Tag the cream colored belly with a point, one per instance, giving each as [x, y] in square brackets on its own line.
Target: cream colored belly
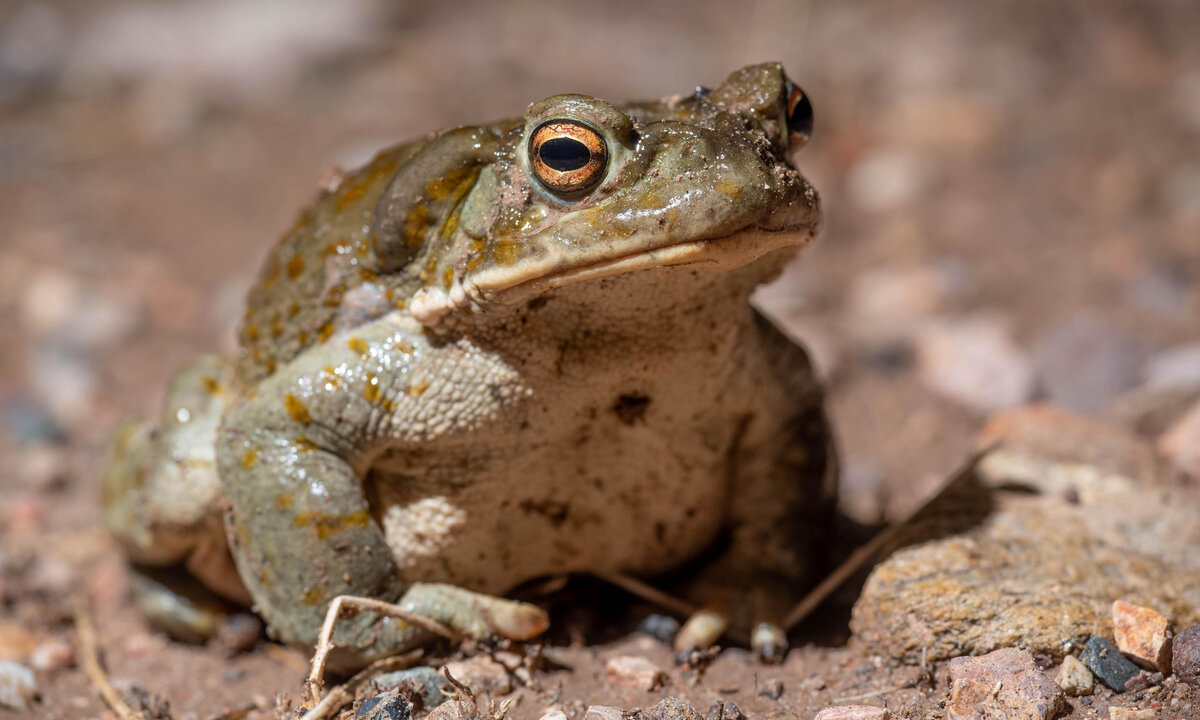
[614, 496]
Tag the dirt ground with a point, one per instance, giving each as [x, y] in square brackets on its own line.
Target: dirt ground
[1012, 196]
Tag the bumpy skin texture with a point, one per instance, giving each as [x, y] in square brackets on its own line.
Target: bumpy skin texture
[449, 374]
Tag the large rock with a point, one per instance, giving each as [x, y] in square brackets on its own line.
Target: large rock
[1039, 570]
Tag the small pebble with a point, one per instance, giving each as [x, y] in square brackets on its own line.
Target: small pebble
[1107, 663]
[54, 654]
[1074, 677]
[1185, 659]
[671, 708]
[603, 712]
[1142, 634]
[554, 715]
[853, 712]
[1142, 681]
[635, 671]
[17, 685]
[481, 674]
[239, 632]
[772, 689]
[390, 705]
[975, 362]
[1004, 683]
[423, 686]
[660, 627]
[1128, 713]
[724, 710]
[1180, 443]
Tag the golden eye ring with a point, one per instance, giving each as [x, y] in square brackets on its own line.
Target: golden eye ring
[569, 157]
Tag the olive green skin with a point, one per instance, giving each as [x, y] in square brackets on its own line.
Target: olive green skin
[440, 343]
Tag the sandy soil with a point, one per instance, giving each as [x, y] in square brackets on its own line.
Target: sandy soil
[1029, 168]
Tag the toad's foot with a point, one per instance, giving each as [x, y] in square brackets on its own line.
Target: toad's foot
[704, 627]
[429, 609]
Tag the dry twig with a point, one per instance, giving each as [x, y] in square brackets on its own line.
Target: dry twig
[342, 695]
[90, 654]
[352, 605]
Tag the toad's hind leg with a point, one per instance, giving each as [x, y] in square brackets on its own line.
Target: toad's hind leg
[159, 491]
[783, 480]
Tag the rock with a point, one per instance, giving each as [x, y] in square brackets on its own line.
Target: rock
[660, 627]
[1052, 451]
[1143, 680]
[1175, 368]
[635, 671]
[554, 715]
[390, 705]
[1107, 663]
[481, 674]
[1128, 713]
[772, 689]
[1142, 634]
[603, 712]
[17, 686]
[423, 686]
[17, 643]
[53, 654]
[1185, 655]
[1005, 684]
[239, 632]
[1181, 442]
[1085, 363]
[853, 712]
[1074, 677]
[1121, 531]
[671, 708]
[885, 181]
[974, 362]
[454, 710]
[724, 710]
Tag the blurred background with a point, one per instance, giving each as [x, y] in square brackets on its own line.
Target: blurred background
[1012, 193]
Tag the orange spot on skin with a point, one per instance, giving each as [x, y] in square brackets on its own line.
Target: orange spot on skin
[252, 333]
[303, 337]
[352, 194]
[295, 267]
[313, 596]
[359, 346]
[283, 501]
[297, 409]
[506, 251]
[211, 385]
[325, 331]
[249, 458]
[333, 297]
[327, 525]
[293, 309]
[403, 346]
[330, 377]
[276, 327]
[373, 392]
[448, 278]
[303, 444]
[419, 387]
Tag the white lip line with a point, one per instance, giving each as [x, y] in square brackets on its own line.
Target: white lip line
[684, 253]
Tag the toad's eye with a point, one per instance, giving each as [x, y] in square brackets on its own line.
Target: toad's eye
[568, 157]
[799, 117]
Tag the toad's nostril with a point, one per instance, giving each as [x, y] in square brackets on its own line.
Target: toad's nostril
[799, 117]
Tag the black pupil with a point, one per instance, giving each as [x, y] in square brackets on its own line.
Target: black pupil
[564, 154]
[801, 119]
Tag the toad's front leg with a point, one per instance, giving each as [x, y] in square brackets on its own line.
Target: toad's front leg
[291, 458]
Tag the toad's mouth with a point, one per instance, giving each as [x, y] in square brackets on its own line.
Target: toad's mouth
[720, 254]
